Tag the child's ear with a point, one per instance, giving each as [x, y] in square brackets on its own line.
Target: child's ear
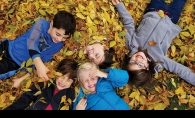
[105, 47]
[51, 24]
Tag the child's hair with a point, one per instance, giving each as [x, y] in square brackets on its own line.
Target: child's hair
[65, 20]
[109, 55]
[85, 66]
[68, 66]
[142, 77]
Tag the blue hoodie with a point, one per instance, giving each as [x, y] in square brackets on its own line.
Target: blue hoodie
[106, 97]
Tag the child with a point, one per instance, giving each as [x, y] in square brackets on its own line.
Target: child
[39, 43]
[100, 54]
[64, 86]
[145, 60]
[97, 88]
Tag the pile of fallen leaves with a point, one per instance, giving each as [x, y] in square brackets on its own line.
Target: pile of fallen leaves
[98, 20]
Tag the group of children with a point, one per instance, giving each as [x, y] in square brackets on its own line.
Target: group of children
[96, 87]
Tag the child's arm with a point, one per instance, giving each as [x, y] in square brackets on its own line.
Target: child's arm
[24, 100]
[177, 68]
[117, 77]
[126, 17]
[41, 69]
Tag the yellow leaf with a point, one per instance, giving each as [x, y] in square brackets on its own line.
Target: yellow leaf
[63, 99]
[57, 74]
[133, 94]
[51, 80]
[173, 82]
[180, 91]
[26, 90]
[12, 98]
[161, 13]
[3, 105]
[159, 106]
[81, 53]
[42, 12]
[173, 49]
[65, 108]
[152, 43]
[2, 98]
[192, 99]
[1, 22]
[23, 64]
[69, 101]
[28, 84]
[142, 100]
[112, 43]
[186, 34]
[60, 6]
[191, 29]
[177, 41]
[69, 53]
[79, 15]
[29, 62]
[107, 16]
[37, 93]
[29, 70]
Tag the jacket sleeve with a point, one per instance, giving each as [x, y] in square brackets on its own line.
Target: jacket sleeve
[34, 37]
[128, 22]
[117, 77]
[24, 100]
[177, 68]
[77, 99]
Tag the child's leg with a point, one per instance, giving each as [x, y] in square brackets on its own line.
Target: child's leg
[156, 5]
[6, 62]
[175, 9]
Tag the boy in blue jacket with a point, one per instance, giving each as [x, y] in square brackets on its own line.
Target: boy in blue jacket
[39, 43]
[97, 88]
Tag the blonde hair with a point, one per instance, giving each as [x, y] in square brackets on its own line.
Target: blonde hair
[86, 66]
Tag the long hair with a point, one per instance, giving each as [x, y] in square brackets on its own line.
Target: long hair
[142, 77]
[109, 55]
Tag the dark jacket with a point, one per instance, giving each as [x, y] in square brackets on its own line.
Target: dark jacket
[40, 102]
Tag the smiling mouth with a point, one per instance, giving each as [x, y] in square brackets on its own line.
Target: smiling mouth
[139, 56]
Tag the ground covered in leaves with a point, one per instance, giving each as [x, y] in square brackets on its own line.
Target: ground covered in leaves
[98, 20]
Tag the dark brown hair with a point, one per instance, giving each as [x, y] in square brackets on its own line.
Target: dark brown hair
[66, 21]
[68, 66]
[109, 54]
[141, 78]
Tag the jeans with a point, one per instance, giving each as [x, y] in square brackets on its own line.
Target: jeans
[174, 9]
[6, 63]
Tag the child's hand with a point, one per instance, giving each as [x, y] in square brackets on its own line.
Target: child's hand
[42, 72]
[81, 104]
[115, 2]
[97, 73]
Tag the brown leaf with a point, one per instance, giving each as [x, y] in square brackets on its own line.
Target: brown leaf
[152, 43]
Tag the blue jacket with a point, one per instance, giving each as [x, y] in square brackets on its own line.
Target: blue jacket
[36, 42]
[106, 97]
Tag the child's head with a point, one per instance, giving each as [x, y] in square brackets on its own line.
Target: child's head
[140, 67]
[62, 26]
[88, 83]
[100, 54]
[68, 68]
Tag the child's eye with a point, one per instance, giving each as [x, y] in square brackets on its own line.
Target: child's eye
[57, 34]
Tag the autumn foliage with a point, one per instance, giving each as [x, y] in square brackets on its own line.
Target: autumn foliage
[98, 20]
